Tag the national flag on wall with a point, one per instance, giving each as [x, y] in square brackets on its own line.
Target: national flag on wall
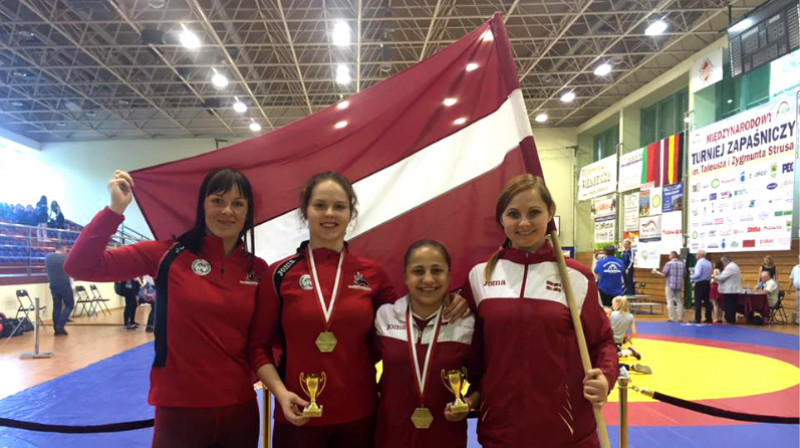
[661, 162]
[421, 169]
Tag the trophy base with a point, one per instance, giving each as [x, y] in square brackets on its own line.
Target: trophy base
[313, 413]
[459, 408]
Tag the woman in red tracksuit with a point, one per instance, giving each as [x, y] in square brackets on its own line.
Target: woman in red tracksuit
[533, 388]
[320, 313]
[207, 287]
[415, 355]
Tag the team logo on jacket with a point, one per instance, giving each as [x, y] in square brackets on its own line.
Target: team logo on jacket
[494, 283]
[359, 282]
[553, 286]
[201, 267]
[305, 282]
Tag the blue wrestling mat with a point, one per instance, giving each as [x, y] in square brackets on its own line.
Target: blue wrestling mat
[115, 390]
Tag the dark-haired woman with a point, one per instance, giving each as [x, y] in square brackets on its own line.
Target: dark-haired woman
[416, 344]
[324, 299]
[207, 289]
[533, 387]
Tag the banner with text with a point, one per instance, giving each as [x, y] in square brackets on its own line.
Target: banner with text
[741, 180]
[598, 178]
[630, 170]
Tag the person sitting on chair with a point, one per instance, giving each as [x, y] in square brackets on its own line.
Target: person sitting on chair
[768, 286]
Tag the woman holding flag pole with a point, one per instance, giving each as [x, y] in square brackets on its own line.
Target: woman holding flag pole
[533, 347]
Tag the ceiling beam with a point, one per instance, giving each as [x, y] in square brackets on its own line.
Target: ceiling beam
[294, 55]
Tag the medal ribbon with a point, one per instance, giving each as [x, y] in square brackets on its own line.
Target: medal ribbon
[421, 377]
[327, 311]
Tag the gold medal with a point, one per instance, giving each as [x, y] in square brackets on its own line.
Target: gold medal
[326, 342]
[422, 418]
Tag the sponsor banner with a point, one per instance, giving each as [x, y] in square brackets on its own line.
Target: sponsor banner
[650, 228]
[604, 231]
[604, 207]
[741, 175]
[671, 232]
[648, 255]
[630, 170]
[630, 216]
[598, 178]
[644, 203]
[707, 70]
[673, 198]
[656, 200]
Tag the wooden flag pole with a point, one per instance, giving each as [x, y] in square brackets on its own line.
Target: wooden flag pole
[576, 322]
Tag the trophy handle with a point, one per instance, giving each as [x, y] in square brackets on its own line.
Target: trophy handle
[446, 381]
[464, 373]
[303, 384]
[323, 380]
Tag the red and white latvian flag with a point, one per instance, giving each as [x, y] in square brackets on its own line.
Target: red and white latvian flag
[428, 151]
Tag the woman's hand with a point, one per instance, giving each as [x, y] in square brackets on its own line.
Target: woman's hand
[289, 403]
[451, 417]
[121, 188]
[455, 307]
[595, 387]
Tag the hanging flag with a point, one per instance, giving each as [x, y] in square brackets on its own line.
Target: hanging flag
[661, 162]
[422, 167]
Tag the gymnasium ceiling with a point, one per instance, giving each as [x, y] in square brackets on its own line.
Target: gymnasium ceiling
[79, 69]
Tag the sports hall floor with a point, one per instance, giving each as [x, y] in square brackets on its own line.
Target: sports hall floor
[100, 375]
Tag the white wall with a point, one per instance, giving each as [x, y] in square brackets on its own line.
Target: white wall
[558, 159]
[9, 304]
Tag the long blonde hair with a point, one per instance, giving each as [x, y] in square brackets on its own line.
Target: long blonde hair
[515, 186]
[624, 307]
[768, 261]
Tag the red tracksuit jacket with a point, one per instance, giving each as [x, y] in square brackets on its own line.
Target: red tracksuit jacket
[292, 305]
[209, 316]
[532, 384]
[398, 390]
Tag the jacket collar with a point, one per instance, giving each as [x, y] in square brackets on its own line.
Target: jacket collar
[301, 250]
[544, 253]
[214, 250]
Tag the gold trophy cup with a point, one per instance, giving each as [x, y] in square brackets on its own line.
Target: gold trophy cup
[312, 385]
[454, 382]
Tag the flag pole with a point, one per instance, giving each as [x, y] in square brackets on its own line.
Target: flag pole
[576, 322]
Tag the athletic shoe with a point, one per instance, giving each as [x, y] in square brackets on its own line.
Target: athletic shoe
[635, 354]
[61, 332]
[643, 369]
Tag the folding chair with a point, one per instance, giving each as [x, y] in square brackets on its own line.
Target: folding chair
[87, 303]
[30, 307]
[777, 313]
[99, 299]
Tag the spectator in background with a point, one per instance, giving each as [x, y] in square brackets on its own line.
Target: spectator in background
[768, 265]
[129, 289]
[794, 278]
[148, 295]
[28, 217]
[701, 277]
[609, 276]
[768, 286]
[60, 287]
[714, 295]
[627, 263]
[56, 217]
[41, 219]
[730, 284]
[675, 272]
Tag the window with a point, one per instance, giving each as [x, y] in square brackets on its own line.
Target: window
[664, 118]
[605, 143]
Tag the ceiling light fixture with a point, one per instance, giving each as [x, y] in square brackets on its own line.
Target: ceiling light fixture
[343, 74]
[568, 97]
[189, 39]
[603, 69]
[239, 106]
[541, 118]
[255, 127]
[341, 34]
[656, 28]
[487, 36]
[219, 80]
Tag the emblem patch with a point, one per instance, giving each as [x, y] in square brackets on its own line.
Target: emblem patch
[305, 282]
[201, 267]
[359, 282]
